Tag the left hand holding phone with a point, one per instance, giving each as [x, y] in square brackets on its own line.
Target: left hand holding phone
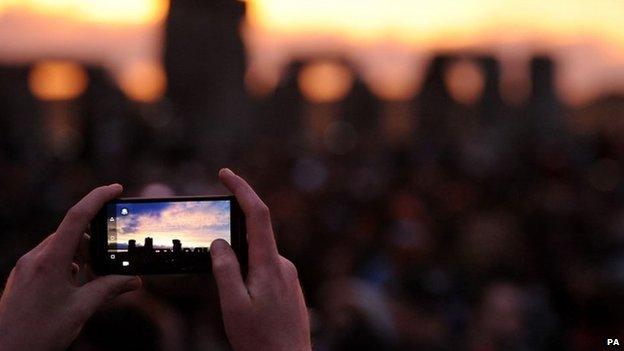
[43, 307]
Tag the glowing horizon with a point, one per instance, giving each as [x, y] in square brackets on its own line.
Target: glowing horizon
[389, 42]
[440, 24]
[123, 36]
[116, 12]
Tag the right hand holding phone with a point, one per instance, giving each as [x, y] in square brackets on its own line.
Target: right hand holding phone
[267, 311]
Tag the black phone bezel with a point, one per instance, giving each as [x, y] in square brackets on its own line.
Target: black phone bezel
[101, 265]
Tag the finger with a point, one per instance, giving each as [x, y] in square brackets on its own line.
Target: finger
[86, 274]
[82, 258]
[82, 254]
[77, 219]
[262, 247]
[74, 269]
[289, 270]
[232, 290]
[96, 292]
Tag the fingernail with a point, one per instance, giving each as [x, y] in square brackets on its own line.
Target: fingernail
[134, 283]
[218, 246]
[226, 170]
[116, 185]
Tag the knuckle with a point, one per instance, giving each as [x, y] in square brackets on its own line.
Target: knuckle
[266, 274]
[220, 266]
[289, 270]
[83, 310]
[23, 263]
[76, 212]
[38, 265]
[261, 211]
[30, 264]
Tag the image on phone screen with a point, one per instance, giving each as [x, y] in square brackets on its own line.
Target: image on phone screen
[165, 234]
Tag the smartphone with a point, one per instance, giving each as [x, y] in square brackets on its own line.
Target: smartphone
[164, 235]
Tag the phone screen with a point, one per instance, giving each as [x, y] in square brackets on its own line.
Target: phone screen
[165, 233]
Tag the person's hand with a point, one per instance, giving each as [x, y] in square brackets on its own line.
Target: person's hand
[42, 306]
[267, 311]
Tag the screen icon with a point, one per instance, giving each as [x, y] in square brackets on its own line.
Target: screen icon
[112, 256]
[112, 219]
[124, 211]
[125, 263]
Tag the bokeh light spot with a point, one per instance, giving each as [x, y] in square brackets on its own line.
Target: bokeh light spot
[465, 82]
[143, 81]
[57, 80]
[325, 81]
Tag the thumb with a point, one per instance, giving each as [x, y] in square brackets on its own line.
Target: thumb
[226, 269]
[103, 289]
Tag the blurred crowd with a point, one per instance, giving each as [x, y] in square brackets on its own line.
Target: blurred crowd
[426, 224]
